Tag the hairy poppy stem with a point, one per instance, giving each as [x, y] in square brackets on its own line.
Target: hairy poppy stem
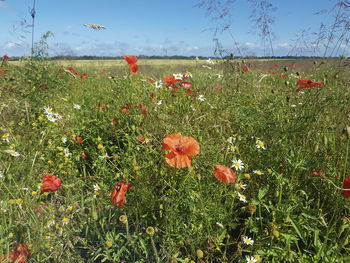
[346, 159]
[155, 250]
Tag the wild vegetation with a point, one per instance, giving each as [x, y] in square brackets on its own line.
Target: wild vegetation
[222, 162]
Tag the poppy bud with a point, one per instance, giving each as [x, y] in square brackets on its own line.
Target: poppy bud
[275, 233]
[83, 155]
[199, 253]
[252, 208]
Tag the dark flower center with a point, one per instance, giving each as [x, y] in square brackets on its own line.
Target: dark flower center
[180, 149]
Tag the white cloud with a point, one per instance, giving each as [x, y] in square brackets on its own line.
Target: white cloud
[283, 45]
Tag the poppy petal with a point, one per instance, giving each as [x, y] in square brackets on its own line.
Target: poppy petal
[224, 174]
[178, 161]
[130, 59]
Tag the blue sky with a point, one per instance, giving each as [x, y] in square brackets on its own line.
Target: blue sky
[152, 27]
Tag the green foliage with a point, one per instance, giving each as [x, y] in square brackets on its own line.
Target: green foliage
[171, 213]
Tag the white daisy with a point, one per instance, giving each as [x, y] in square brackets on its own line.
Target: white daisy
[58, 116]
[201, 98]
[251, 259]
[178, 76]
[238, 164]
[51, 118]
[64, 139]
[1, 175]
[158, 84]
[96, 187]
[48, 111]
[77, 106]
[220, 76]
[15, 154]
[189, 75]
[241, 186]
[65, 221]
[248, 240]
[258, 172]
[210, 61]
[159, 102]
[231, 148]
[231, 139]
[260, 144]
[242, 198]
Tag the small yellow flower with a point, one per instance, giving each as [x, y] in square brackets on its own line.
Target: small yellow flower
[257, 257]
[150, 231]
[269, 170]
[41, 117]
[70, 208]
[109, 243]
[11, 202]
[117, 175]
[46, 193]
[34, 193]
[187, 259]
[96, 193]
[247, 176]
[100, 146]
[19, 201]
[20, 123]
[10, 235]
[99, 138]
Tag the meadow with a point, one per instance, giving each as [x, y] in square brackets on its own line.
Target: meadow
[174, 161]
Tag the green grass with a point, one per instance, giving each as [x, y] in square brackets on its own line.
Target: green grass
[291, 215]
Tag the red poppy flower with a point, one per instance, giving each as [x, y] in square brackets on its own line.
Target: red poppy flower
[188, 91]
[169, 81]
[118, 194]
[280, 76]
[5, 57]
[303, 83]
[19, 256]
[51, 183]
[102, 72]
[186, 84]
[293, 65]
[152, 94]
[39, 209]
[269, 71]
[182, 148]
[84, 75]
[275, 65]
[224, 174]
[319, 173]
[346, 187]
[79, 139]
[134, 68]
[70, 69]
[115, 121]
[124, 110]
[218, 89]
[143, 109]
[4, 69]
[245, 69]
[83, 155]
[130, 59]
[273, 73]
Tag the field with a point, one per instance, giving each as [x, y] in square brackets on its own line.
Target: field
[229, 161]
